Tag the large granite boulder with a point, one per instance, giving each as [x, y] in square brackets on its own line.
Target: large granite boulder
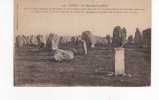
[63, 55]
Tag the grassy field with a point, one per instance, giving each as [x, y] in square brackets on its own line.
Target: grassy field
[36, 68]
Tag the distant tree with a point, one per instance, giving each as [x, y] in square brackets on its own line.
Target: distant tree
[138, 38]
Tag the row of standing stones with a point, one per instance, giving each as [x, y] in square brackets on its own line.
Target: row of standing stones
[119, 36]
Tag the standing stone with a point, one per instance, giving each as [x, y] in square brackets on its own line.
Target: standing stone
[119, 61]
[89, 38]
[108, 38]
[123, 35]
[147, 38]
[117, 33]
[84, 46]
[138, 38]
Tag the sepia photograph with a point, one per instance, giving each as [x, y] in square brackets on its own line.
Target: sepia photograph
[82, 43]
